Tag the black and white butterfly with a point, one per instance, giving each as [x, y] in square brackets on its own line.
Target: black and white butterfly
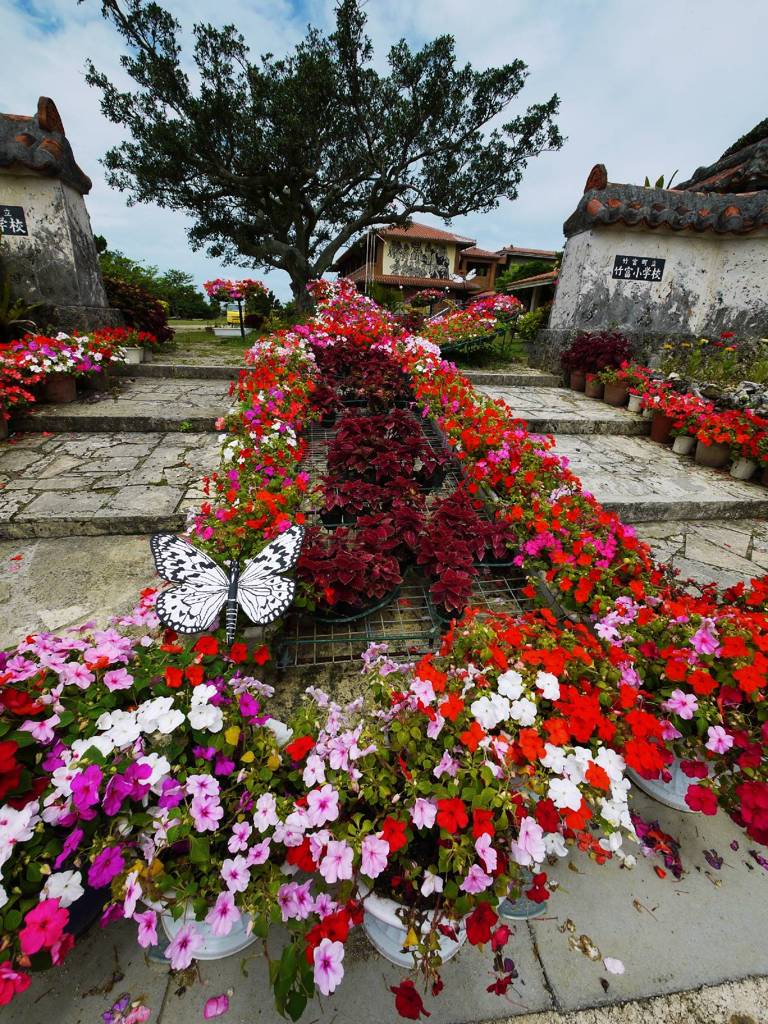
[205, 587]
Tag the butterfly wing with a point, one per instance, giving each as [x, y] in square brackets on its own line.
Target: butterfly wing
[262, 591]
[193, 606]
[189, 610]
[177, 561]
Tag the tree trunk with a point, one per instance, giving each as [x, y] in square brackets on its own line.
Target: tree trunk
[301, 296]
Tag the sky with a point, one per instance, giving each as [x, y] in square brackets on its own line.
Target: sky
[646, 88]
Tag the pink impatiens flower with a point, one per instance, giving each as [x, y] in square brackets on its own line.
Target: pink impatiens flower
[322, 805]
[265, 813]
[147, 922]
[223, 914]
[206, 813]
[238, 841]
[131, 894]
[476, 880]
[236, 874]
[118, 679]
[486, 852]
[374, 856]
[328, 965]
[682, 704]
[337, 863]
[529, 846]
[423, 813]
[216, 1006]
[719, 741]
[704, 640]
[186, 942]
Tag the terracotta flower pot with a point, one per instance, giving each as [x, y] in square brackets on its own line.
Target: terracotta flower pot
[593, 388]
[60, 388]
[578, 380]
[99, 380]
[661, 427]
[615, 394]
[715, 456]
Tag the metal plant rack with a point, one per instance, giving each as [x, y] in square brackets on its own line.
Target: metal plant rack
[409, 625]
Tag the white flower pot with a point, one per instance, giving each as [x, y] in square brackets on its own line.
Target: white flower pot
[215, 947]
[230, 332]
[134, 355]
[384, 927]
[683, 444]
[522, 909]
[672, 793]
[634, 404]
[742, 469]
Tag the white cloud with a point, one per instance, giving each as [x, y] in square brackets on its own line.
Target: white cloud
[645, 89]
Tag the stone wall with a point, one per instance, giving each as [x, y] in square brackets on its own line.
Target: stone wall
[56, 263]
[711, 283]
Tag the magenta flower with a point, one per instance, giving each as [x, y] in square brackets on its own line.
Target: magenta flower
[423, 813]
[147, 922]
[131, 894]
[374, 856]
[105, 866]
[476, 880]
[328, 965]
[286, 900]
[223, 914]
[704, 640]
[185, 944]
[682, 704]
[69, 846]
[43, 926]
[85, 789]
[216, 1006]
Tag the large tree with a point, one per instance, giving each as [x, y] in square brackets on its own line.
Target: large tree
[282, 162]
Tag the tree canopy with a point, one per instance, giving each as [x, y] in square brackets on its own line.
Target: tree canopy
[174, 287]
[282, 162]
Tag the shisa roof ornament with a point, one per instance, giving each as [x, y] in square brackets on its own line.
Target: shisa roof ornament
[38, 143]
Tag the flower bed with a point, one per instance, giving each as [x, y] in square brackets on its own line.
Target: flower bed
[149, 766]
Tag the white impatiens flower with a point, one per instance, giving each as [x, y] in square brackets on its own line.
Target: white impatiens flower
[160, 766]
[523, 711]
[548, 684]
[3, 897]
[554, 759]
[119, 727]
[616, 813]
[64, 886]
[490, 711]
[159, 715]
[613, 764]
[510, 684]
[555, 845]
[564, 794]
[16, 827]
[432, 883]
[206, 717]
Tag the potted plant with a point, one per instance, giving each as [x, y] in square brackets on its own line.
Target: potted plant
[615, 388]
[344, 577]
[233, 291]
[590, 353]
[593, 386]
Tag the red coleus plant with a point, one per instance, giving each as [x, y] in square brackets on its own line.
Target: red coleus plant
[341, 569]
[596, 351]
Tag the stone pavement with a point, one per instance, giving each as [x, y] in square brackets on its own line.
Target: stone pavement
[723, 550]
[672, 935]
[138, 404]
[554, 410]
[99, 483]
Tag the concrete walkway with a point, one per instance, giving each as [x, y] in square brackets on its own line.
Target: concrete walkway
[672, 935]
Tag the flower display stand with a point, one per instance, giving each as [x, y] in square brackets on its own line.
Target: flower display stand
[672, 793]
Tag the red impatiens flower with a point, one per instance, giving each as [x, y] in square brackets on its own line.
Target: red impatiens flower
[482, 823]
[699, 798]
[173, 677]
[408, 1002]
[480, 922]
[452, 814]
[238, 653]
[206, 645]
[393, 832]
[298, 749]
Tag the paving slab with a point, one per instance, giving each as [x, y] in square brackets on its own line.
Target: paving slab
[50, 585]
[74, 484]
[647, 482]
[555, 410]
[721, 551]
[364, 995]
[671, 936]
[135, 405]
[103, 966]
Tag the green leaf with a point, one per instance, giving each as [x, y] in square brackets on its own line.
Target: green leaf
[199, 850]
[12, 921]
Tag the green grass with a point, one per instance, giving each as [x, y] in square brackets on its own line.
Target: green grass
[500, 353]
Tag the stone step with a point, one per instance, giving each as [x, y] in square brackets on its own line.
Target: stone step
[550, 410]
[718, 551]
[647, 482]
[88, 484]
[183, 371]
[515, 376]
[139, 405]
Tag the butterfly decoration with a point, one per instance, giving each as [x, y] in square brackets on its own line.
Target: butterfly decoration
[258, 586]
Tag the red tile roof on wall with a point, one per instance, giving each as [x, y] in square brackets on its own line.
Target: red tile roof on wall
[424, 231]
[513, 250]
[549, 277]
[473, 253]
[418, 282]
